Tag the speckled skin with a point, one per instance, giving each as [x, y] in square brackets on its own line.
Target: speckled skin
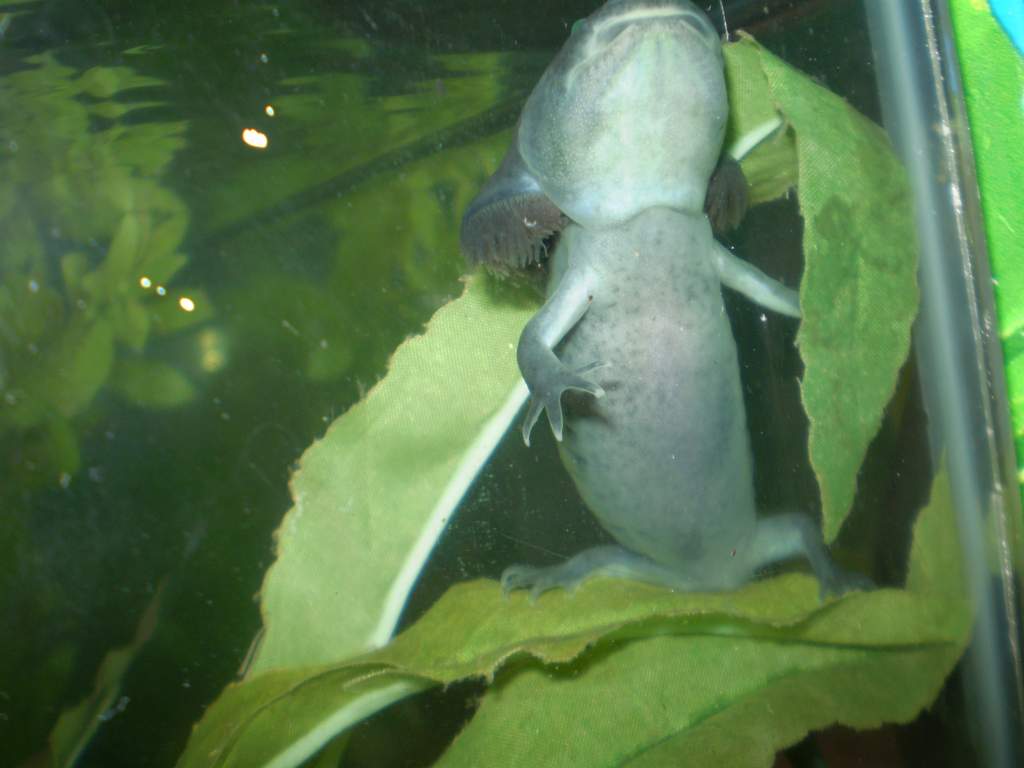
[663, 459]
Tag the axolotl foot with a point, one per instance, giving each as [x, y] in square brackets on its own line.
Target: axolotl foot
[790, 535]
[609, 560]
[839, 581]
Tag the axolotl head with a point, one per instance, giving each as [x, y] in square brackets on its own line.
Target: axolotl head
[629, 115]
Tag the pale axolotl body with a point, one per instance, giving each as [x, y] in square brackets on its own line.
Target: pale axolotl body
[616, 147]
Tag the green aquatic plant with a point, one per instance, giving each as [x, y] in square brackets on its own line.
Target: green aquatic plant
[92, 240]
[77, 726]
[859, 281]
[735, 675]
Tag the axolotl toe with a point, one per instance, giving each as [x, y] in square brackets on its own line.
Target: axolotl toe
[616, 148]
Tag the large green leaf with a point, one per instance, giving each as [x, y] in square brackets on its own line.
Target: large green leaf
[766, 662]
[694, 700]
[859, 292]
[374, 494]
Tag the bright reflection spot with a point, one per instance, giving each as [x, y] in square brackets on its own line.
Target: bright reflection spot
[269, 109]
[145, 282]
[186, 303]
[161, 291]
[255, 139]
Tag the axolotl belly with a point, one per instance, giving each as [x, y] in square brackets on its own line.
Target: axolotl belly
[663, 458]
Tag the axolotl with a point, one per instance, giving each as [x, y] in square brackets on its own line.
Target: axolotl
[618, 150]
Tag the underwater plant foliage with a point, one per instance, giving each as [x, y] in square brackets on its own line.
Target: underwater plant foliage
[76, 727]
[322, 276]
[85, 217]
[74, 317]
[619, 641]
[708, 674]
[859, 281]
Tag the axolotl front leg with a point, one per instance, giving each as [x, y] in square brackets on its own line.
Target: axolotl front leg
[748, 280]
[546, 376]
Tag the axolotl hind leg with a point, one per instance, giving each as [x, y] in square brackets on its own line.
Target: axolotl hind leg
[790, 535]
[609, 560]
[776, 539]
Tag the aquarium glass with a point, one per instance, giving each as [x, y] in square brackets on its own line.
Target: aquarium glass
[261, 458]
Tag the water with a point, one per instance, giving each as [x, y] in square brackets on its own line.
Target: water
[182, 314]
